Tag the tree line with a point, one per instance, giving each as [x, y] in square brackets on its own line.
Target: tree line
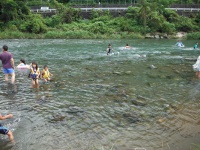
[149, 16]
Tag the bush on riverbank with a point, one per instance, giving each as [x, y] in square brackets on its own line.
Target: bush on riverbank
[193, 36]
[67, 23]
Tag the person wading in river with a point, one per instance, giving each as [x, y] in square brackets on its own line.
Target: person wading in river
[8, 64]
[4, 130]
[109, 49]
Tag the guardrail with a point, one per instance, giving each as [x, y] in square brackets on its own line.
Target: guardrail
[125, 8]
[43, 10]
[112, 9]
[185, 9]
[104, 9]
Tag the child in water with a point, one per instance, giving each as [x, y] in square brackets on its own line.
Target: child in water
[34, 73]
[46, 74]
[109, 49]
[195, 45]
[4, 130]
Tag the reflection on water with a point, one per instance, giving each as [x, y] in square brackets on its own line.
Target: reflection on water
[141, 97]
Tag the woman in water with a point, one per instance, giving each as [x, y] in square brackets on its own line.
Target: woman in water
[3, 129]
[46, 74]
[34, 73]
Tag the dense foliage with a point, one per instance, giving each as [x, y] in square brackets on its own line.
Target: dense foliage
[148, 17]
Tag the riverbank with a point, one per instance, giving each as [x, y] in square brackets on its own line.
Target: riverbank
[58, 34]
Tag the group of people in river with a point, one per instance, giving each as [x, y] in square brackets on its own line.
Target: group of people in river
[9, 69]
[109, 49]
[35, 72]
[180, 44]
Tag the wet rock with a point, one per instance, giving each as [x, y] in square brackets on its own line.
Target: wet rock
[142, 97]
[74, 110]
[131, 117]
[157, 36]
[41, 97]
[57, 118]
[166, 106]
[152, 67]
[174, 106]
[138, 102]
[161, 120]
[128, 72]
[152, 76]
[149, 36]
[117, 73]
[49, 95]
[171, 110]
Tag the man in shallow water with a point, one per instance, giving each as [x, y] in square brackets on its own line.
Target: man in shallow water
[3, 129]
[8, 64]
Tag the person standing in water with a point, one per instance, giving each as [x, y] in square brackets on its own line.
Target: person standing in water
[8, 64]
[109, 49]
[196, 45]
[34, 73]
[196, 67]
[4, 130]
[46, 74]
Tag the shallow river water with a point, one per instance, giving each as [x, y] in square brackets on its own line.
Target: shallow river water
[146, 97]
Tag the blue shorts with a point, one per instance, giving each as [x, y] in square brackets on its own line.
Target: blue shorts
[8, 71]
[3, 130]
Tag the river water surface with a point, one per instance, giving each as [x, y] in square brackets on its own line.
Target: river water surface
[145, 97]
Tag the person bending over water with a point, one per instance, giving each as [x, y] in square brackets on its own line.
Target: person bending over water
[4, 130]
[109, 49]
[195, 45]
[34, 73]
[8, 64]
[46, 74]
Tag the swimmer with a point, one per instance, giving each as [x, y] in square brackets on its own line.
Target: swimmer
[109, 49]
[127, 46]
[46, 74]
[196, 45]
[34, 73]
[4, 130]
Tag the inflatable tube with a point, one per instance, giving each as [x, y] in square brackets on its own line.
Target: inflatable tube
[23, 67]
[181, 45]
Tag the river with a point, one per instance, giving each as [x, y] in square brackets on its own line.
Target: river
[145, 97]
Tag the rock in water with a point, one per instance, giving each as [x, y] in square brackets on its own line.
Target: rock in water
[153, 67]
[138, 102]
[131, 117]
